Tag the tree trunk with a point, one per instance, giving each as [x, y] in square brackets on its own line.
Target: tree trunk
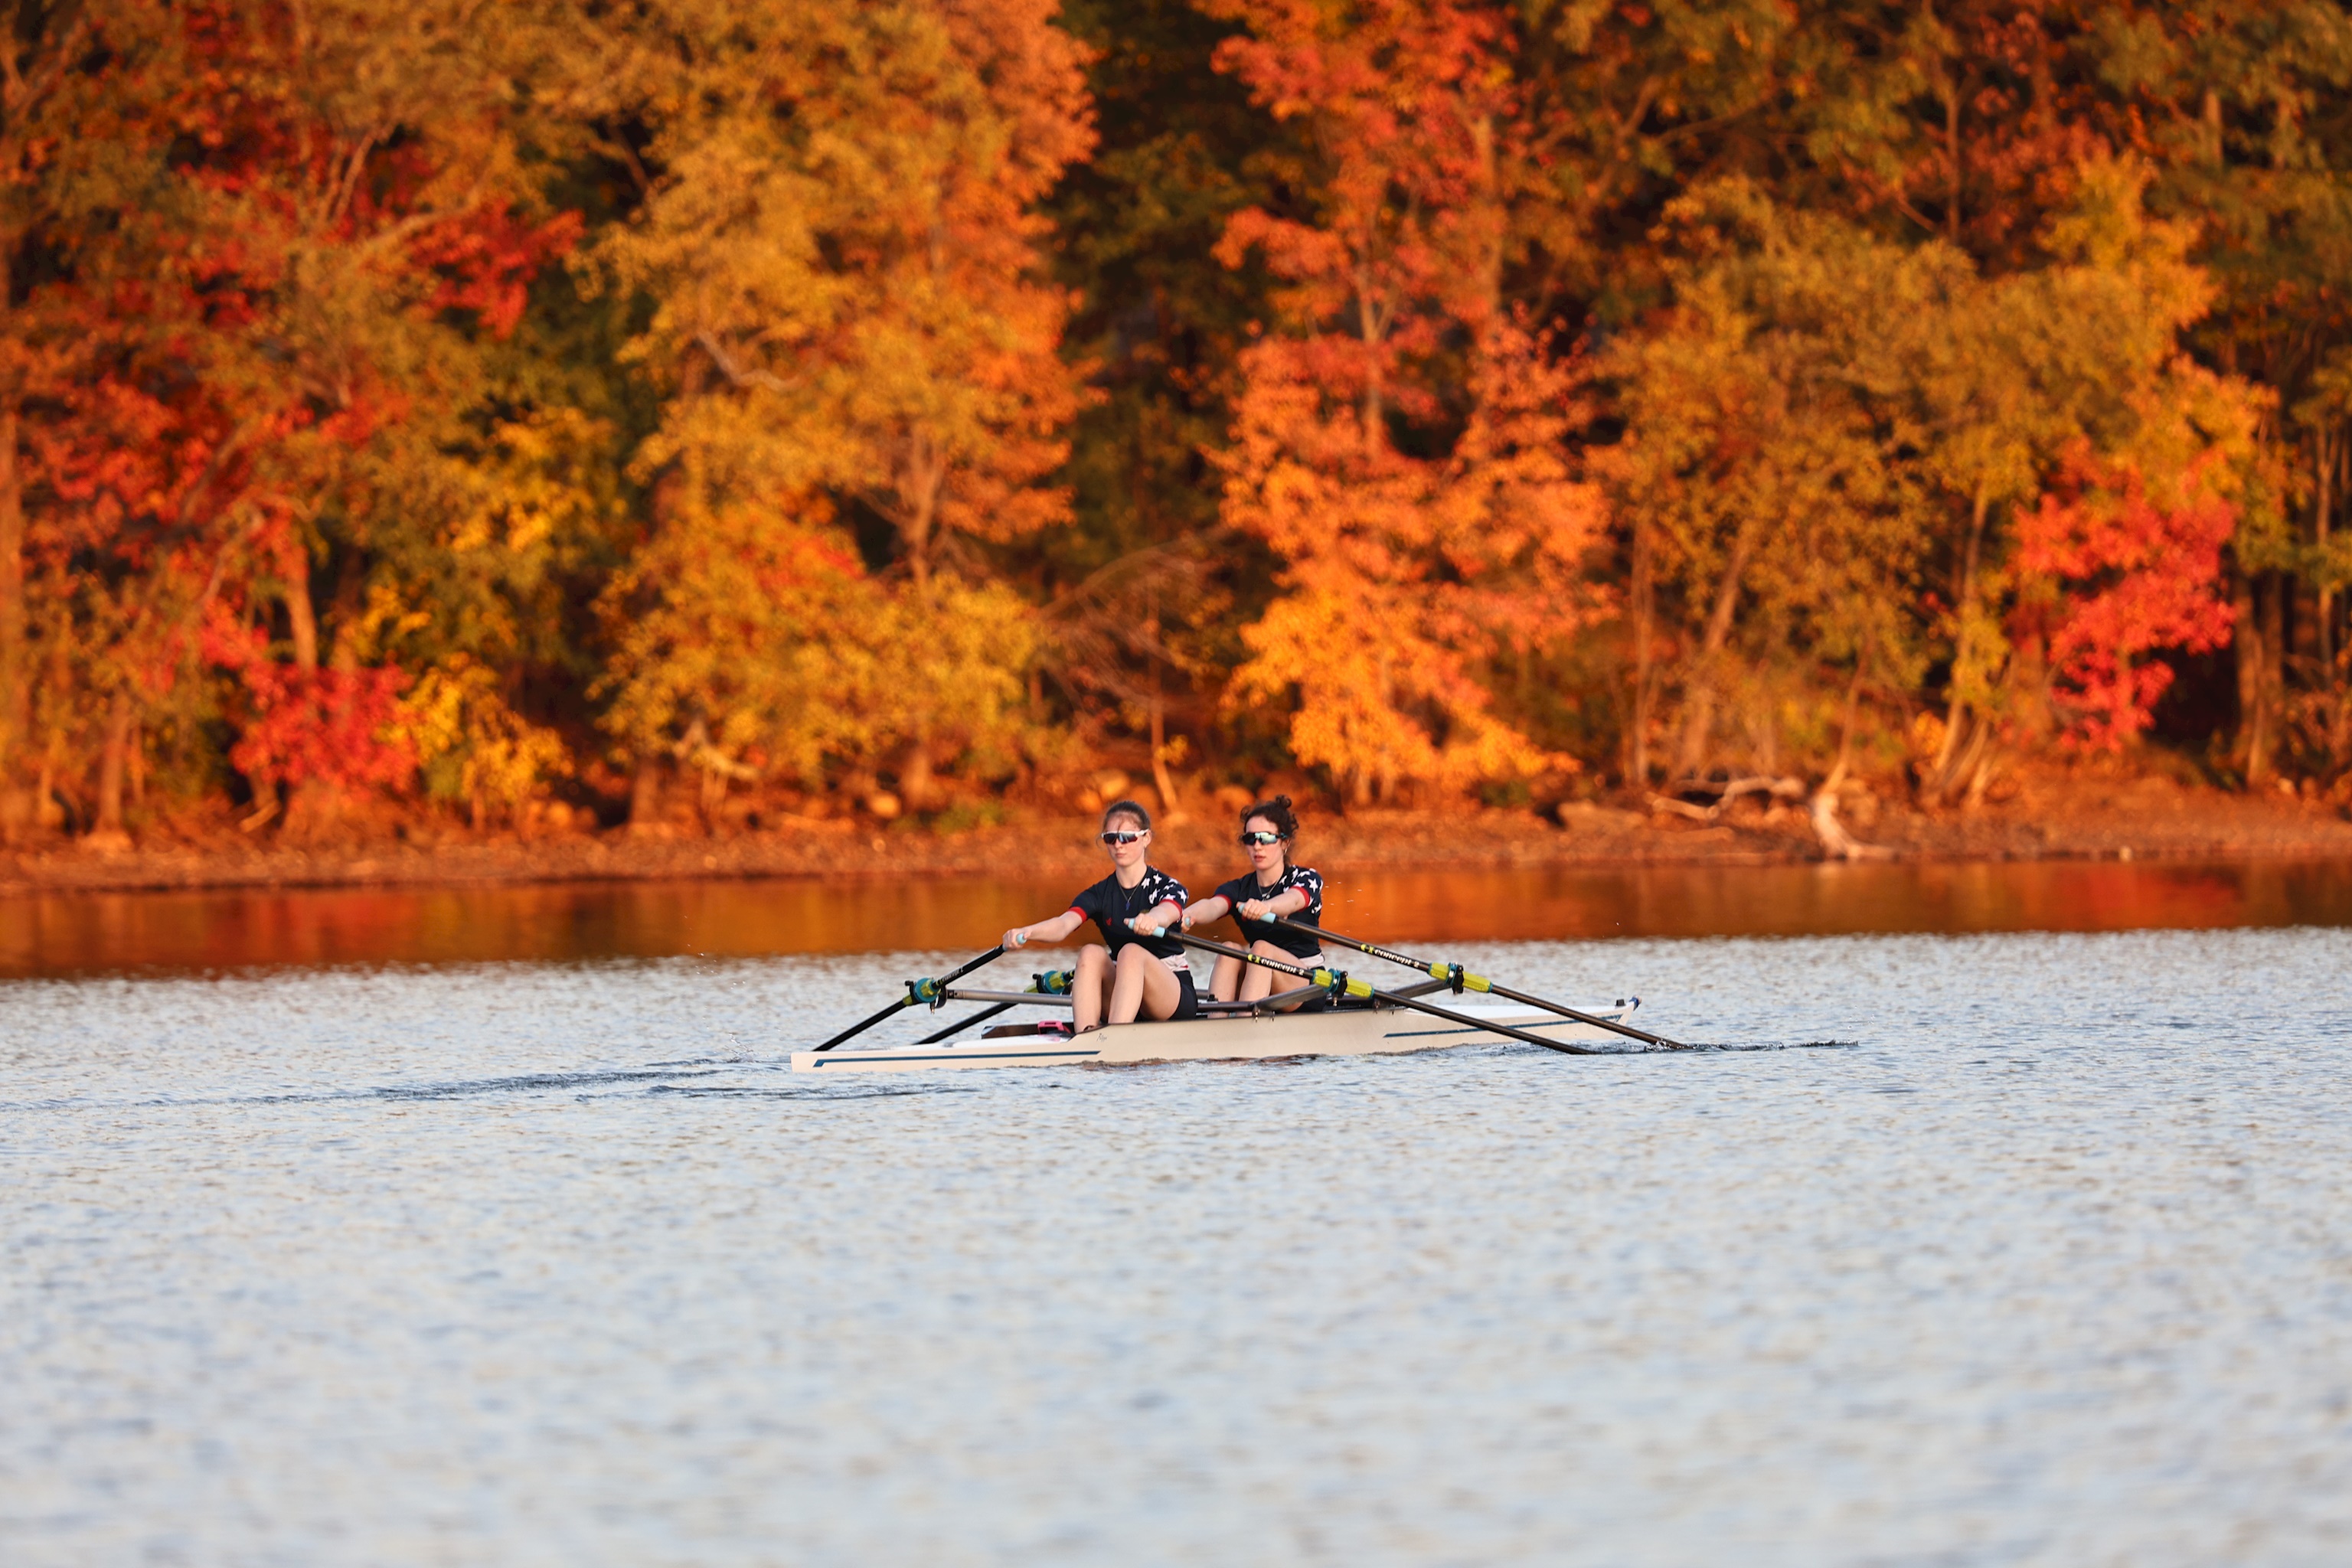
[1161, 778]
[645, 794]
[1699, 726]
[1699, 720]
[15, 703]
[917, 785]
[1845, 724]
[301, 615]
[2248, 648]
[919, 485]
[1955, 709]
[112, 762]
[1952, 157]
[318, 804]
[2323, 451]
[1645, 607]
[2273, 631]
[1836, 842]
[2253, 746]
[346, 607]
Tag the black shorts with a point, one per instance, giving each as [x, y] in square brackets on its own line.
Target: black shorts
[1188, 999]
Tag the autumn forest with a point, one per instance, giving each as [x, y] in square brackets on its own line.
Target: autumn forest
[528, 414]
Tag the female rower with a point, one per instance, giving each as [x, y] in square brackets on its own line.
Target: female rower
[1273, 888]
[1135, 971]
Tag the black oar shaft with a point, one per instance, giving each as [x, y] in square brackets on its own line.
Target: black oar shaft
[982, 962]
[1359, 988]
[1480, 982]
[960, 1025]
[863, 1025]
[922, 991]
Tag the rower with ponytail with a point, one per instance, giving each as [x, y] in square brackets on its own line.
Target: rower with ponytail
[1272, 888]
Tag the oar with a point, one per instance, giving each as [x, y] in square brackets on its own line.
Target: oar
[1054, 982]
[1340, 984]
[1455, 975]
[920, 994]
[960, 1025]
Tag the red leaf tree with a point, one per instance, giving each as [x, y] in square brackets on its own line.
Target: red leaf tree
[2128, 577]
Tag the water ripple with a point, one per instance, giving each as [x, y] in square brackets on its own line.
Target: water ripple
[1986, 1249]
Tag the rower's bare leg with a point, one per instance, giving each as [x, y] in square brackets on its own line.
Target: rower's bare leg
[1143, 984]
[1256, 983]
[1090, 986]
[1266, 979]
[1225, 980]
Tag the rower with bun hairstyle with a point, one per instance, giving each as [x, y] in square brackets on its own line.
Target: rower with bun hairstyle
[1135, 971]
[1271, 888]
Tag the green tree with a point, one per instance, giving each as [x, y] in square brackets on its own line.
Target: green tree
[1824, 416]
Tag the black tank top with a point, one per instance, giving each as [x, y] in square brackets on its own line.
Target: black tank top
[1111, 906]
[1302, 878]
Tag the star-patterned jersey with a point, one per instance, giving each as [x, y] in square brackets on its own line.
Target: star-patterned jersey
[1301, 879]
[1111, 906]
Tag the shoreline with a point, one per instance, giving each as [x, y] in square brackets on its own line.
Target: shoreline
[2144, 819]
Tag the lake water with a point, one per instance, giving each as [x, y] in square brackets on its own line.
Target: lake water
[1998, 1247]
[63, 935]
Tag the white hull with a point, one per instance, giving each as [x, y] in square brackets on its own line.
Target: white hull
[1349, 1032]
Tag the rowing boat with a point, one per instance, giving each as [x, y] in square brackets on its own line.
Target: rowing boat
[1348, 1029]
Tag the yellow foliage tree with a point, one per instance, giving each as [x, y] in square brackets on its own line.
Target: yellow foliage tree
[850, 317]
[765, 647]
[472, 746]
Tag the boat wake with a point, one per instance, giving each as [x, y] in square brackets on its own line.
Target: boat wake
[1717, 1047]
[666, 1078]
[466, 1088]
[802, 1092]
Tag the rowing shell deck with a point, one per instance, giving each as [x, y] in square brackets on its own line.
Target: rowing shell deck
[1341, 1032]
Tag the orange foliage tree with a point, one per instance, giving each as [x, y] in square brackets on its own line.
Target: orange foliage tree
[1418, 543]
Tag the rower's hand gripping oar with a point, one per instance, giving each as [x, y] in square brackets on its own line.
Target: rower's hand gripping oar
[1461, 980]
[1339, 985]
[926, 992]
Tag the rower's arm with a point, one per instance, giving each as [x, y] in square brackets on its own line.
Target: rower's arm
[1157, 918]
[1055, 929]
[1211, 908]
[1287, 903]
